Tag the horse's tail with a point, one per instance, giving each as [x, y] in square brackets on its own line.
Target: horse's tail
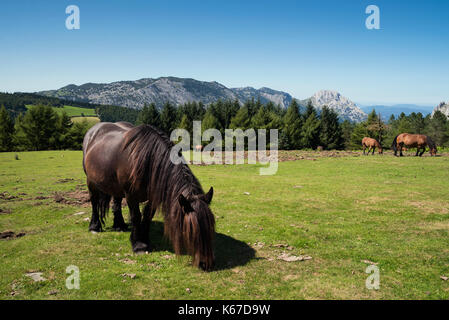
[394, 145]
[103, 205]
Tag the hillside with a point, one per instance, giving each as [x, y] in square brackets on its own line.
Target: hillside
[135, 94]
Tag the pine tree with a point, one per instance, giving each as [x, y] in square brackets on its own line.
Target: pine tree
[63, 139]
[168, 118]
[261, 119]
[291, 135]
[6, 130]
[347, 128]
[330, 130]
[40, 125]
[311, 128]
[438, 128]
[149, 115]
[241, 119]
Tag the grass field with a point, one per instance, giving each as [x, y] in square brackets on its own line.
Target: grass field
[343, 212]
[73, 111]
[90, 120]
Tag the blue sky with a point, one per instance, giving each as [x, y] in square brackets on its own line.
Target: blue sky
[295, 46]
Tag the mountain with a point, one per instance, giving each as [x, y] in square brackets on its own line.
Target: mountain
[135, 94]
[346, 109]
[265, 95]
[443, 107]
[397, 109]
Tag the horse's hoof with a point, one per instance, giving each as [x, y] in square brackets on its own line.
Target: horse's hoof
[120, 228]
[140, 248]
[95, 228]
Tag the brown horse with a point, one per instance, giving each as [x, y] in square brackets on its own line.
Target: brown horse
[135, 162]
[418, 141]
[371, 144]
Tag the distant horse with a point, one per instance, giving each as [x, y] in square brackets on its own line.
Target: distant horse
[198, 148]
[418, 141]
[134, 162]
[371, 144]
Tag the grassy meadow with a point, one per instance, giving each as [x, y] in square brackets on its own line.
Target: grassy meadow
[344, 212]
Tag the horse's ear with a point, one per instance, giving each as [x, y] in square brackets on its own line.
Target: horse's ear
[208, 196]
[184, 203]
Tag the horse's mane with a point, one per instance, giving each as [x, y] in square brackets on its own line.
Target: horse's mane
[149, 157]
[151, 168]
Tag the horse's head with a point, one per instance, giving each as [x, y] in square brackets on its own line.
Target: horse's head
[198, 228]
[381, 151]
[433, 151]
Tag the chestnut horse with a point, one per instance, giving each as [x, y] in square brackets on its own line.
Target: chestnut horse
[371, 144]
[135, 162]
[418, 141]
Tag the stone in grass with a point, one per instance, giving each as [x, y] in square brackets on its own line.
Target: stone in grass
[79, 213]
[129, 275]
[36, 276]
[291, 258]
[246, 193]
[444, 278]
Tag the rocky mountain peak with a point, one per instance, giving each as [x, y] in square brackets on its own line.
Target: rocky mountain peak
[347, 109]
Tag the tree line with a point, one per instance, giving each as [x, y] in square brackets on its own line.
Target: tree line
[300, 127]
[40, 128]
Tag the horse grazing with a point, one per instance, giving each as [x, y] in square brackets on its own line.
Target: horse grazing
[371, 144]
[418, 141]
[134, 162]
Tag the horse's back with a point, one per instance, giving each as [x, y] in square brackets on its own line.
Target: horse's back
[102, 149]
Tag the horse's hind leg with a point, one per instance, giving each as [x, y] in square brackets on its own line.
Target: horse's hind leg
[119, 223]
[137, 241]
[95, 224]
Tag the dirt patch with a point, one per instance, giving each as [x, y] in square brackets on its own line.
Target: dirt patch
[8, 234]
[5, 211]
[6, 196]
[41, 198]
[65, 180]
[73, 198]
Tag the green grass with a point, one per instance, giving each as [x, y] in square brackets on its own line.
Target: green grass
[90, 120]
[340, 211]
[73, 111]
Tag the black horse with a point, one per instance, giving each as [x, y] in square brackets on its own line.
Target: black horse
[134, 162]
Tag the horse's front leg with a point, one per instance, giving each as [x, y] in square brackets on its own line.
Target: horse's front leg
[136, 238]
[119, 222]
[374, 148]
[422, 152]
[417, 152]
[364, 148]
[148, 214]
